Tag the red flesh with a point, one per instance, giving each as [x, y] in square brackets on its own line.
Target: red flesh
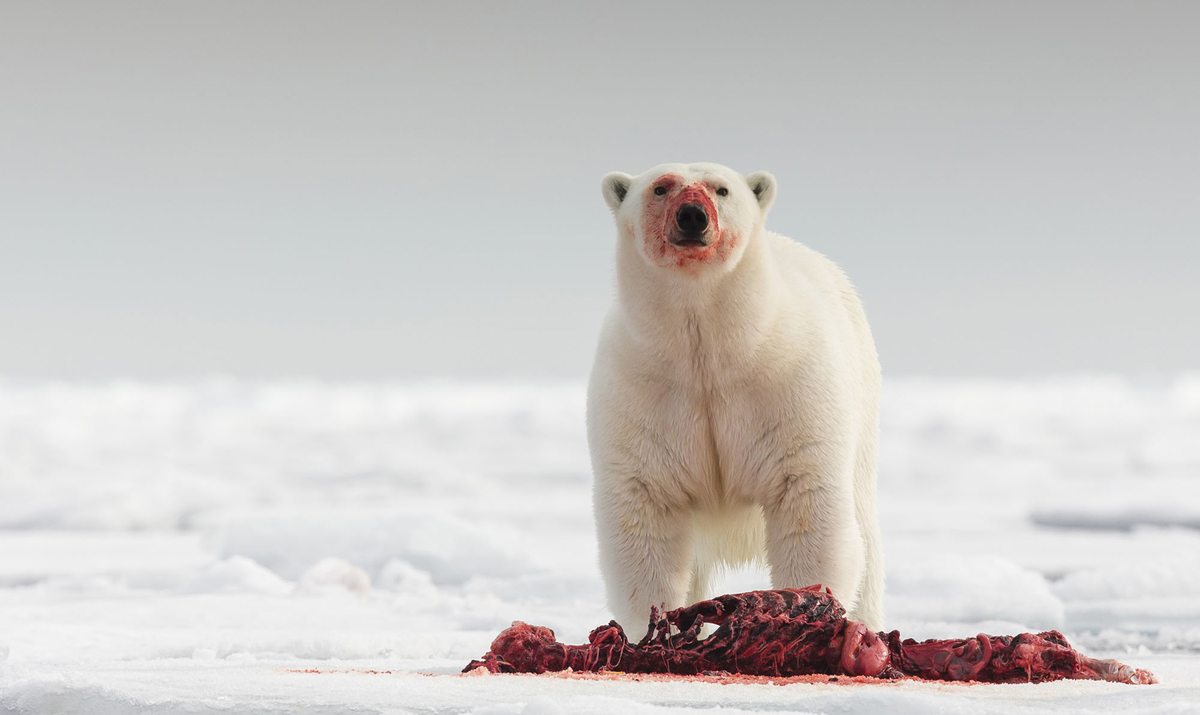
[790, 632]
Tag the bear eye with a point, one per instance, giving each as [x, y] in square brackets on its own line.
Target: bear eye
[722, 191]
[660, 190]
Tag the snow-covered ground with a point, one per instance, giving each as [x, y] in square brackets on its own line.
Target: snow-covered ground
[197, 546]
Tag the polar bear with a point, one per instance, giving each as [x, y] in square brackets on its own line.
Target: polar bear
[733, 407]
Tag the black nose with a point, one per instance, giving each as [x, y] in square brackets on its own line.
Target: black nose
[692, 220]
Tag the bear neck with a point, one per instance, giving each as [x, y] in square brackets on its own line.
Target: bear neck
[723, 314]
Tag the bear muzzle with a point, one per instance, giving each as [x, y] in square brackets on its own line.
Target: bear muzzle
[691, 222]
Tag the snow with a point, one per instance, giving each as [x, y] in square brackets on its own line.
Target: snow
[305, 546]
[237, 574]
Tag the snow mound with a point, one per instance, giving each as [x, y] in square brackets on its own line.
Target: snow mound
[1166, 639]
[970, 590]
[238, 574]
[1151, 603]
[127, 455]
[449, 548]
[64, 695]
[403, 578]
[335, 575]
[1172, 575]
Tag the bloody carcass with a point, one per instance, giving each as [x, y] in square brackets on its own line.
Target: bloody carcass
[790, 632]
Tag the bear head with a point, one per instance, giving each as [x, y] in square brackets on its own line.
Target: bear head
[691, 217]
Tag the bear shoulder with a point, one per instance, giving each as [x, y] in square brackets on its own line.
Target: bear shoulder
[801, 265]
[814, 278]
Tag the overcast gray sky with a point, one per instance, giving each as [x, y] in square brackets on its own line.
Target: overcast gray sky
[396, 189]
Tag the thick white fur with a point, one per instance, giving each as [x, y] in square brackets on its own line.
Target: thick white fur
[733, 413]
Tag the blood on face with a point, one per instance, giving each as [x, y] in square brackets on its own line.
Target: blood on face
[658, 222]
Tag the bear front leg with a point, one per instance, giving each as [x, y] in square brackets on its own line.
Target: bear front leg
[645, 552]
[812, 535]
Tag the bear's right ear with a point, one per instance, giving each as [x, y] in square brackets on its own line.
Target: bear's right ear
[615, 186]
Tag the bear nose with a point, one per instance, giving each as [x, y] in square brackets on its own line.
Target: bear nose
[692, 220]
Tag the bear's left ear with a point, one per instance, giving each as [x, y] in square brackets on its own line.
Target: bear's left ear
[762, 183]
[615, 186]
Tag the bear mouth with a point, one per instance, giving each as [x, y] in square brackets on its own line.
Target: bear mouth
[689, 242]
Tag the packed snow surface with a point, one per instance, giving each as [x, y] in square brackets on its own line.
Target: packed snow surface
[294, 546]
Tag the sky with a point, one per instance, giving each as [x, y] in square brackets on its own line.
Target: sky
[387, 189]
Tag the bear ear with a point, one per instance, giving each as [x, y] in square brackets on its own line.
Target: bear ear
[615, 186]
[762, 183]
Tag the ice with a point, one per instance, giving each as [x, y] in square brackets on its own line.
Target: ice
[296, 545]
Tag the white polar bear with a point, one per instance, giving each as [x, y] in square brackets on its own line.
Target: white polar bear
[733, 408]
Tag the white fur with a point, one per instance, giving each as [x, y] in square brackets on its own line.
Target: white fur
[733, 411]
